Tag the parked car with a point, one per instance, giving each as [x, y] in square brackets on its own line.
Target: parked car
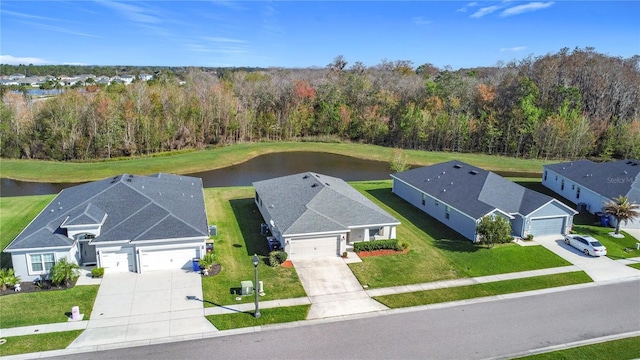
[586, 244]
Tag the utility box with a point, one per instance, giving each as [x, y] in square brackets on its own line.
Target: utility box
[246, 287]
[75, 313]
[213, 230]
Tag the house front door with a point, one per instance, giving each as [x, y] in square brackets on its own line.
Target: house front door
[87, 253]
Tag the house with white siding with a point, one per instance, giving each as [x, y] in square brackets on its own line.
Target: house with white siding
[590, 185]
[459, 195]
[314, 215]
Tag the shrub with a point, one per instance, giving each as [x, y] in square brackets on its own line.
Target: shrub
[207, 260]
[97, 272]
[377, 245]
[8, 277]
[64, 272]
[404, 245]
[277, 257]
[344, 254]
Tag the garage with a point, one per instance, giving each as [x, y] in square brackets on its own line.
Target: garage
[117, 261]
[547, 226]
[167, 259]
[314, 247]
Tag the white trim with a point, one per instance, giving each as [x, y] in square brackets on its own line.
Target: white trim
[42, 249]
[372, 225]
[316, 233]
[44, 271]
[549, 202]
[500, 211]
[195, 238]
[434, 198]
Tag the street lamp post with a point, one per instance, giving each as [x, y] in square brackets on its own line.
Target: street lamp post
[256, 261]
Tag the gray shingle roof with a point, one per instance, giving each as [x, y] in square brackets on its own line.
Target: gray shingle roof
[309, 202]
[472, 190]
[610, 179]
[160, 206]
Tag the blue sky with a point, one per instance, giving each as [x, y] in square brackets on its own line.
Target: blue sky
[309, 33]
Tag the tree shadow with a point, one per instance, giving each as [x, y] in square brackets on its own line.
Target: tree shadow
[444, 237]
[249, 219]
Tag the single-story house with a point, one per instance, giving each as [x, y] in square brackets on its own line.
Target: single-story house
[459, 195]
[314, 215]
[124, 223]
[590, 185]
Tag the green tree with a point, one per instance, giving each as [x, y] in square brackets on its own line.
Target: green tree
[494, 230]
[398, 161]
[64, 272]
[622, 209]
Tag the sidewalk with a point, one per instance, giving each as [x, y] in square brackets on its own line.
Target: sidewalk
[232, 308]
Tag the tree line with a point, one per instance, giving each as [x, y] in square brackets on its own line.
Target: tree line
[568, 104]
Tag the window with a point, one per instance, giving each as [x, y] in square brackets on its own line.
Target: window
[424, 199]
[41, 262]
[578, 193]
[562, 185]
[257, 198]
[545, 175]
[437, 202]
[376, 232]
[447, 210]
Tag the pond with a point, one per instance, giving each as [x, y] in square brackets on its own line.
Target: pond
[259, 168]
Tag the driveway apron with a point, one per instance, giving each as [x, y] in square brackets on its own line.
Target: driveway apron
[138, 307]
[332, 288]
[598, 268]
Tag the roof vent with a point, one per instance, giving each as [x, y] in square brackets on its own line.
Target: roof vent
[634, 164]
[625, 172]
[444, 190]
[305, 177]
[629, 162]
[314, 185]
[452, 183]
[427, 180]
[130, 176]
[457, 166]
[443, 173]
[327, 184]
[129, 180]
[563, 168]
[473, 172]
[318, 176]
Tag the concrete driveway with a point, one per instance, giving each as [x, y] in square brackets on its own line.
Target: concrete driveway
[332, 288]
[598, 268]
[138, 307]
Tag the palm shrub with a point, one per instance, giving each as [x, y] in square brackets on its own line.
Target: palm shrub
[8, 277]
[64, 272]
[207, 260]
[277, 257]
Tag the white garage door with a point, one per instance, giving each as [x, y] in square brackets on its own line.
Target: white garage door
[316, 247]
[117, 261]
[167, 259]
[548, 226]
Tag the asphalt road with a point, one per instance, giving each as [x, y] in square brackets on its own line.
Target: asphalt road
[474, 331]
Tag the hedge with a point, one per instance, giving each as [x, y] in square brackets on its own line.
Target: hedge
[377, 245]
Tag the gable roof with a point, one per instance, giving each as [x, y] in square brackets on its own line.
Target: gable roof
[311, 203]
[130, 208]
[609, 179]
[472, 190]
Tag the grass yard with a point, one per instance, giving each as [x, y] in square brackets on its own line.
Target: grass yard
[482, 290]
[437, 252]
[45, 307]
[184, 162]
[238, 219]
[15, 214]
[36, 343]
[622, 349]
[635, 266]
[267, 316]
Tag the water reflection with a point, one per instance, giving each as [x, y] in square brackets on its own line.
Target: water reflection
[259, 168]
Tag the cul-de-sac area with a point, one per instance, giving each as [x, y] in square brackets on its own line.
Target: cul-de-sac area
[141, 259]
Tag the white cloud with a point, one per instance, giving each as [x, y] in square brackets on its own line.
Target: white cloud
[27, 16]
[533, 6]
[222, 39]
[485, 11]
[132, 12]
[421, 20]
[517, 48]
[15, 60]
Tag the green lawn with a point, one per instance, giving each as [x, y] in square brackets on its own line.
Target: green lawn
[238, 219]
[15, 214]
[482, 290]
[36, 343]
[635, 266]
[185, 162]
[436, 251]
[45, 307]
[267, 316]
[623, 349]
